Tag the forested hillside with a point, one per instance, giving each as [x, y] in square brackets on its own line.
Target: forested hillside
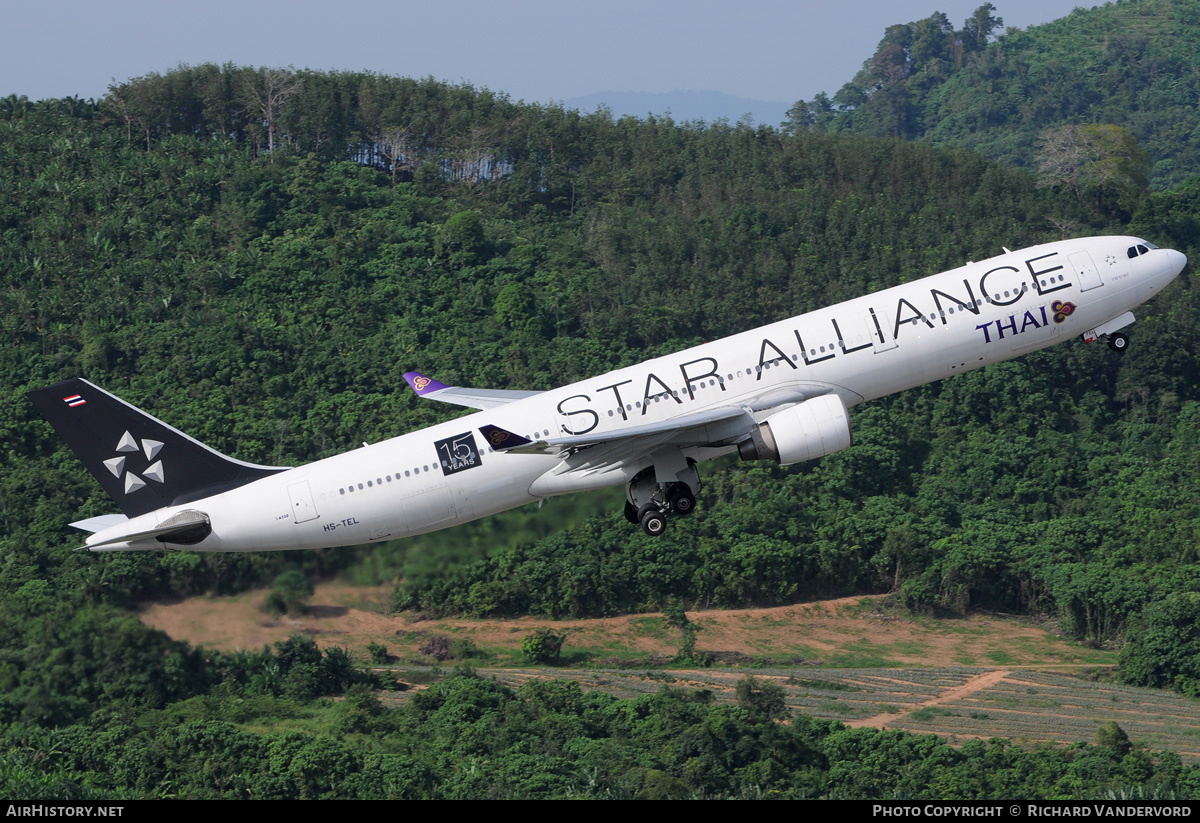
[1130, 63]
[255, 256]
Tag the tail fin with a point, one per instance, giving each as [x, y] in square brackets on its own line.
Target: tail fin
[142, 463]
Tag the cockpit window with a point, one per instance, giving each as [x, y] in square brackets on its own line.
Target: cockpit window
[1140, 249]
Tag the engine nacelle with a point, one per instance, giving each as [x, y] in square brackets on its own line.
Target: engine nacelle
[805, 431]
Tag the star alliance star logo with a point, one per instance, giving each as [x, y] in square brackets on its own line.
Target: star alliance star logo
[128, 447]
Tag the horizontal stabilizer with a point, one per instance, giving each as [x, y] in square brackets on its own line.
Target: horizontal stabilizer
[472, 398]
[99, 524]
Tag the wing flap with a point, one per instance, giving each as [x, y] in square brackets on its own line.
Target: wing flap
[696, 429]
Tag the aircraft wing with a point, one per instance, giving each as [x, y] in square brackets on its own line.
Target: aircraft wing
[688, 430]
[701, 428]
[605, 451]
[459, 396]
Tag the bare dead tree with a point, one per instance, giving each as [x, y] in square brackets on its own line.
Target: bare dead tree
[1062, 152]
[398, 147]
[1066, 228]
[473, 158]
[268, 93]
[1097, 155]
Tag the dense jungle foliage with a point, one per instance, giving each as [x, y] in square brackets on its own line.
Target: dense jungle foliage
[469, 738]
[1132, 63]
[255, 256]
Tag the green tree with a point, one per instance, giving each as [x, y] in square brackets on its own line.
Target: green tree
[762, 699]
[290, 593]
[978, 28]
[543, 646]
[1112, 736]
[461, 240]
[1163, 649]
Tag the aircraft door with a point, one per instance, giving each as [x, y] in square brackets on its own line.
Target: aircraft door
[1085, 270]
[303, 507]
[879, 327]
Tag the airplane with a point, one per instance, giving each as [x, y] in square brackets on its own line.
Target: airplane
[779, 392]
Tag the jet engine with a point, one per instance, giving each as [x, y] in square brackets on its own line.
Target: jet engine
[804, 431]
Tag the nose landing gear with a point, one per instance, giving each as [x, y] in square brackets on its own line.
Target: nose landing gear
[1109, 332]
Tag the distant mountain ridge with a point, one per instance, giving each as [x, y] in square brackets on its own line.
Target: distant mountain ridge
[683, 106]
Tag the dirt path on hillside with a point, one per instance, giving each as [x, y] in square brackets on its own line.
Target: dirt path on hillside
[848, 631]
[976, 684]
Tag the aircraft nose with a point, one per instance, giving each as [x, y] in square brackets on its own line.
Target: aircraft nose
[1175, 261]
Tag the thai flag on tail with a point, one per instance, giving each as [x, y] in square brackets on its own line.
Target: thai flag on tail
[75, 400]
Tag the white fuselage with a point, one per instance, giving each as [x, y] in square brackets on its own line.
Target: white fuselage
[862, 349]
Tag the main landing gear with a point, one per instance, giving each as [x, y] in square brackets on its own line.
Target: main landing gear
[648, 502]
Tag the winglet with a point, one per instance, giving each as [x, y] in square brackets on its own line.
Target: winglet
[502, 439]
[423, 385]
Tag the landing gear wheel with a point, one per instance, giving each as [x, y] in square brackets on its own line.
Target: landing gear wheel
[1118, 342]
[654, 522]
[631, 513]
[683, 502]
